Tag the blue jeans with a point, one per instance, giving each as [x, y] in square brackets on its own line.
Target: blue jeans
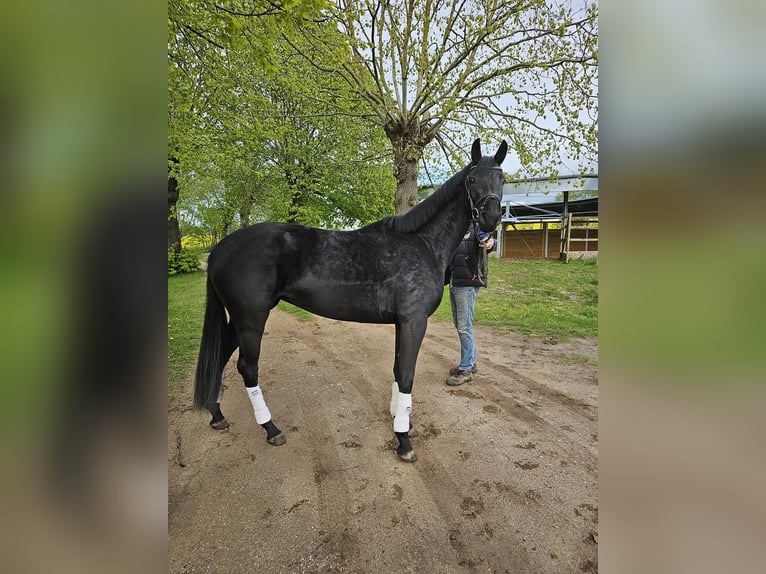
[462, 300]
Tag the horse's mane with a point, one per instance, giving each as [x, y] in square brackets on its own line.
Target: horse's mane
[423, 212]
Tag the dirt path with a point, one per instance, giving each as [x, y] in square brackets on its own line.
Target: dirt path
[506, 477]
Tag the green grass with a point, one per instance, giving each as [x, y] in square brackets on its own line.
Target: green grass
[565, 359]
[299, 313]
[186, 310]
[539, 298]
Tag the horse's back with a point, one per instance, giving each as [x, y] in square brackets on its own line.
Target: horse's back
[323, 252]
[260, 247]
[361, 275]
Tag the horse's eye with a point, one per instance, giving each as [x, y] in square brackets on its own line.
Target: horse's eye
[472, 179]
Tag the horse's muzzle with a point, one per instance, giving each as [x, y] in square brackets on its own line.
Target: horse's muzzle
[489, 214]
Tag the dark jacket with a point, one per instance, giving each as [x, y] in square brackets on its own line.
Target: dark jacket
[469, 265]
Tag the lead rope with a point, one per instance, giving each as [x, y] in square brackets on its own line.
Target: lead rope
[483, 263]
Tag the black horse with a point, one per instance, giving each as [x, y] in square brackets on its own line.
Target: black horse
[391, 271]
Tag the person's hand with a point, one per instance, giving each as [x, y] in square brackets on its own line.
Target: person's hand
[487, 243]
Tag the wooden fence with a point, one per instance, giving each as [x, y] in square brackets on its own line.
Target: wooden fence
[579, 240]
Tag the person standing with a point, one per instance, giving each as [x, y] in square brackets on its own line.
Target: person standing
[467, 273]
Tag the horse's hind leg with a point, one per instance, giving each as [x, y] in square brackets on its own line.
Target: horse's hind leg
[219, 422]
[250, 336]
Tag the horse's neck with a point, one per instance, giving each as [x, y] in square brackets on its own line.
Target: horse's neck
[445, 231]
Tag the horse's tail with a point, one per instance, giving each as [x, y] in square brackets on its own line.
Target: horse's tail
[212, 351]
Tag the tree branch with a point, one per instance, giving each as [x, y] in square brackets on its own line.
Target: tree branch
[201, 35]
[270, 12]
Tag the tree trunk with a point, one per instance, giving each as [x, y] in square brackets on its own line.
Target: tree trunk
[244, 216]
[174, 231]
[245, 203]
[297, 198]
[408, 143]
[406, 173]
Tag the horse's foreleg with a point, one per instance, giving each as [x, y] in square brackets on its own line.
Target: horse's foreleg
[412, 433]
[402, 426]
[409, 337]
[397, 374]
[247, 365]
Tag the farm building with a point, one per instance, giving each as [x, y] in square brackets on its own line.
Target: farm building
[541, 222]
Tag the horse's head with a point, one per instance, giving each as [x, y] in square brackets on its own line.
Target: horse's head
[484, 184]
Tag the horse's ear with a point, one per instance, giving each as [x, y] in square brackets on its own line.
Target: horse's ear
[500, 155]
[476, 151]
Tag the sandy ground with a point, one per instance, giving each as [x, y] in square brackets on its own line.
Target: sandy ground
[506, 478]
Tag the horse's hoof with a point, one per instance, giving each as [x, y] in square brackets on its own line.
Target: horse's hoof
[223, 424]
[412, 433]
[277, 440]
[408, 456]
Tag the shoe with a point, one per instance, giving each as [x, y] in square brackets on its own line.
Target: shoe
[459, 378]
[454, 370]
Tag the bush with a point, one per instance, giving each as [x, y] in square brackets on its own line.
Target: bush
[200, 242]
[186, 261]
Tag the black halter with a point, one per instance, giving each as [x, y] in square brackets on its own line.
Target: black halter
[475, 209]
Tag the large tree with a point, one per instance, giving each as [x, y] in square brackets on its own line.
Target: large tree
[272, 150]
[253, 134]
[202, 34]
[432, 70]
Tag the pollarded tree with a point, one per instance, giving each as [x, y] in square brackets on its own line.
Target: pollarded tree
[434, 69]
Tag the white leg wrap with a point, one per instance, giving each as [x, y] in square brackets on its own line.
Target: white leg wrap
[262, 414]
[394, 397]
[403, 410]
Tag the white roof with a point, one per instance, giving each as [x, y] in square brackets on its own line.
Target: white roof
[542, 190]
